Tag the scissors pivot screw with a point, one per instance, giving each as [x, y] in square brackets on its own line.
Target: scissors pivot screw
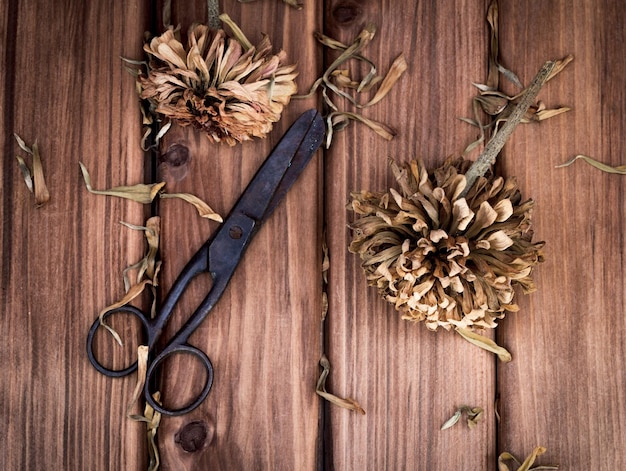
[235, 232]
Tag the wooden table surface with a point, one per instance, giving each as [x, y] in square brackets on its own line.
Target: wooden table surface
[63, 84]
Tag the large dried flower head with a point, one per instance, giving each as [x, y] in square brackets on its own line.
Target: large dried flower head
[222, 85]
[447, 260]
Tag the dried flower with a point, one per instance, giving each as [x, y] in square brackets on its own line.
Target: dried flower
[221, 84]
[447, 260]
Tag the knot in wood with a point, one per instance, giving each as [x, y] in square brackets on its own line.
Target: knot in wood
[346, 12]
[176, 155]
[193, 436]
[174, 163]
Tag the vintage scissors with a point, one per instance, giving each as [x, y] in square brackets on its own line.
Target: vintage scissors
[220, 256]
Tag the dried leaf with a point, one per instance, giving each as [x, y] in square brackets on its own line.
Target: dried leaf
[22, 144]
[495, 66]
[396, 70]
[339, 120]
[153, 425]
[452, 420]
[336, 80]
[560, 65]
[487, 158]
[166, 127]
[320, 389]
[473, 417]
[148, 265]
[484, 343]
[620, 169]
[35, 181]
[550, 113]
[141, 193]
[474, 414]
[42, 195]
[237, 33]
[151, 417]
[528, 462]
[204, 209]
[142, 368]
[132, 293]
[153, 421]
[28, 179]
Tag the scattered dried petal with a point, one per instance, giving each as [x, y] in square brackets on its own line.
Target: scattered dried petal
[452, 420]
[337, 121]
[42, 195]
[620, 169]
[474, 414]
[485, 343]
[496, 104]
[204, 210]
[35, 181]
[396, 70]
[320, 389]
[528, 462]
[141, 193]
[151, 417]
[336, 80]
[153, 420]
[28, 178]
[142, 368]
[148, 266]
[132, 293]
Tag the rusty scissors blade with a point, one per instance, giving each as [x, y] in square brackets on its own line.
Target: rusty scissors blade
[219, 256]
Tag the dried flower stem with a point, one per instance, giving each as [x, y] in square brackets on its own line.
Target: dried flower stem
[213, 9]
[488, 157]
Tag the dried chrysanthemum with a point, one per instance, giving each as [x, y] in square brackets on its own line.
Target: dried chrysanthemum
[220, 84]
[447, 260]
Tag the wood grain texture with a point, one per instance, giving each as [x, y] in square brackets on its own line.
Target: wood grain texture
[565, 388]
[408, 379]
[263, 336]
[64, 85]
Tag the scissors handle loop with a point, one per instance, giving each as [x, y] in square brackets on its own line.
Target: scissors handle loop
[114, 373]
[152, 375]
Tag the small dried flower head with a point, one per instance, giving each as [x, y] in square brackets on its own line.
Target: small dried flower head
[441, 259]
[222, 85]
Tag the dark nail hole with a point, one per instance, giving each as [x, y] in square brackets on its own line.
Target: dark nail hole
[235, 232]
[193, 436]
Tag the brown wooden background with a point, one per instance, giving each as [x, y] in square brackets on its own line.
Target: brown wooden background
[63, 84]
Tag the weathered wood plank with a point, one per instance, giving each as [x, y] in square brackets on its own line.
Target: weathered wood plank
[64, 86]
[565, 387]
[408, 379]
[263, 336]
